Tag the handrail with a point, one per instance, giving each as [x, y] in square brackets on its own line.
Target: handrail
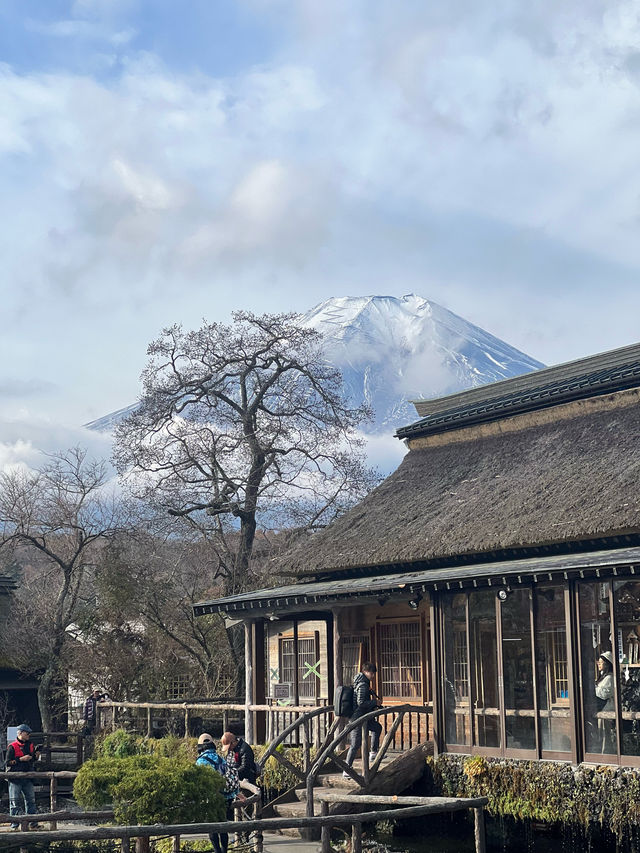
[329, 749]
[125, 833]
[284, 734]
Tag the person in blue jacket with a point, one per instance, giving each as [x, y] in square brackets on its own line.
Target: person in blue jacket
[208, 757]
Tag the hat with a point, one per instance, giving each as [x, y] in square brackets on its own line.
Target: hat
[23, 727]
[204, 738]
[607, 656]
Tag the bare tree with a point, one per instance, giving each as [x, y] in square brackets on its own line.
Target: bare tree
[243, 426]
[55, 518]
[146, 588]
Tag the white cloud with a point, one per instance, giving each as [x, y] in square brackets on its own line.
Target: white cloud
[482, 155]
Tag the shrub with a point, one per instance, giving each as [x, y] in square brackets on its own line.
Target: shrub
[118, 744]
[147, 789]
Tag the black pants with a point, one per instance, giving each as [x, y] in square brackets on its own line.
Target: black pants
[221, 842]
[355, 739]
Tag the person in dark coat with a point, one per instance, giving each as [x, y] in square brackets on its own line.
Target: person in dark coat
[90, 712]
[364, 700]
[240, 753]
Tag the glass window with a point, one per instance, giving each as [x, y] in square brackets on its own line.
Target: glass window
[308, 664]
[597, 651]
[517, 664]
[456, 671]
[355, 652]
[553, 670]
[482, 621]
[400, 651]
[626, 601]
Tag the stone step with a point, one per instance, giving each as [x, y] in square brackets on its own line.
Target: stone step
[296, 809]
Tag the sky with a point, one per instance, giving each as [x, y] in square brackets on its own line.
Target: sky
[166, 162]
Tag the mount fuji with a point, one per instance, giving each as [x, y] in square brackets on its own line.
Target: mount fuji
[394, 349]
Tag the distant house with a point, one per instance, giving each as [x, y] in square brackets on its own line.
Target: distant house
[486, 576]
[18, 692]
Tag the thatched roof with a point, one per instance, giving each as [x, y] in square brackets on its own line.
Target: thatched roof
[560, 481]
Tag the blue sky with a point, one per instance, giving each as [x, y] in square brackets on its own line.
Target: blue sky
[163, 162]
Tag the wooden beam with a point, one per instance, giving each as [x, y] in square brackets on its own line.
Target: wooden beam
[259, 681]
[248, 682]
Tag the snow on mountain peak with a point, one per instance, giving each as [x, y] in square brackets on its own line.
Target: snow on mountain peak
[393, 349]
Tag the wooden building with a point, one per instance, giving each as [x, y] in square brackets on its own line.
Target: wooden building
[485, 577]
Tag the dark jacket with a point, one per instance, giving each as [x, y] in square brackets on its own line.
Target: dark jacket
[244, 761]
[362, 696]
[14, 751]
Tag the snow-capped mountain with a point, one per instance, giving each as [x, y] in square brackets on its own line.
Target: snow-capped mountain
[392, 350]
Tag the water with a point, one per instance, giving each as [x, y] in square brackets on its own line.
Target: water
[454, 834]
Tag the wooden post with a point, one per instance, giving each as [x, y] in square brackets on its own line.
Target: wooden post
[176, 844]
[479, 832]
[142, 844]
[225, 721]
[186, 722]
[325, 832]
[248, 682]
[125, 845]
[337, 650]
[259, 681]
[149, 723]
[113, 718]
[356, 838]
[53, 799]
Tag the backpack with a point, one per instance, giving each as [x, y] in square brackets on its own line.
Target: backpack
[226, 770]
[344, 701]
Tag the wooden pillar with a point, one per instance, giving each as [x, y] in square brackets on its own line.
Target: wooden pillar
[186, 722]
[125, 845]
[259, 681]
[248, 682]
[479, 833]
[356, 838]
[176, 844]
[149, 723]
[337, 649]
[296, 677]
[325, 832]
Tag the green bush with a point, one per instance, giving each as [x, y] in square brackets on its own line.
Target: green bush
[93, 786]
[118, 744]
[147, 789]
[276, 776]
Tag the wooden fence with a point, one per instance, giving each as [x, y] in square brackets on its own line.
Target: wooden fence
[322, 823]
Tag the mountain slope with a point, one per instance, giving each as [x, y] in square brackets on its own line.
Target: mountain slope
[394, 349]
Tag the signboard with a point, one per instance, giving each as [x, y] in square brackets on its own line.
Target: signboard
[281, 691]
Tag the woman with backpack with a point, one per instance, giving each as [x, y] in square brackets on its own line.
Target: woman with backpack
[208, 757]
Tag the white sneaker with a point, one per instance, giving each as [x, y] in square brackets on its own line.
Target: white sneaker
[372, 757]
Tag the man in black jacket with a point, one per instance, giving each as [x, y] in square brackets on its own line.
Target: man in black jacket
[241, 755]
[363, 702]
[21, 756]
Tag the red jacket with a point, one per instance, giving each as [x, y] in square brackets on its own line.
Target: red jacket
[15, 751]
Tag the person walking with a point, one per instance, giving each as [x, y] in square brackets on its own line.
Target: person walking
[21, 756]
[208, 757]
[364, 702]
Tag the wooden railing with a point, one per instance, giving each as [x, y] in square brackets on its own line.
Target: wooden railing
[52, 776]
[304, 726]
[428, 805]
[330, 750]
[279, 718]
